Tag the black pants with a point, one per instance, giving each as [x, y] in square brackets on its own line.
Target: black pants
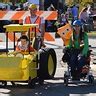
[76, 62]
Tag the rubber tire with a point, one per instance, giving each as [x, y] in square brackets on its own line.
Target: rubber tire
[4, 83]
[91, 79]
[31, 83]
[66, 80]
[44, 71]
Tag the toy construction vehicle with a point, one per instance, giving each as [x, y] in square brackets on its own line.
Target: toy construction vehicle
[29, 66]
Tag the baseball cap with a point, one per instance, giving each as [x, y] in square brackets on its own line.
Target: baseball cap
[32, 6]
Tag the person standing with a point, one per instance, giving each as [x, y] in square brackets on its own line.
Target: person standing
[83, 15]
[90, 19]
[74, 11]
[36, 19]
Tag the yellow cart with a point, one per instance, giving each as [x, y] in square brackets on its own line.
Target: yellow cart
[26, 66]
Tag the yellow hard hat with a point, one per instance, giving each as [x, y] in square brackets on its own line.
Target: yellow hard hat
[32, 6]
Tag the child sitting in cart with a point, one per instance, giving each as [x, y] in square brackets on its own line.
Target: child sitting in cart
[23, 44]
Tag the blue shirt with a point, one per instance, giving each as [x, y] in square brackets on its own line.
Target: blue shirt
[74, 11]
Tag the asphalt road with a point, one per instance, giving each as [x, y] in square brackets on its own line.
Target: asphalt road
[53, 87]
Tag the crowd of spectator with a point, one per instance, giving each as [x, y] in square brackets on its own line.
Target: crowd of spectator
[14, 6]
[73, 13]
[65, 12]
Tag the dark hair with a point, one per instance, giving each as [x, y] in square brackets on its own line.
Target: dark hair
[85, 9]
[23, 37]
[81, 34]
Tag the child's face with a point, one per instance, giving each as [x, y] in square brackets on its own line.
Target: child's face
[23, 42]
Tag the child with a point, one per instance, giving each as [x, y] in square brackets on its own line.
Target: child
[23, 45]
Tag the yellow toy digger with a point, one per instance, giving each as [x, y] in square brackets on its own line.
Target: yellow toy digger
[26, 66]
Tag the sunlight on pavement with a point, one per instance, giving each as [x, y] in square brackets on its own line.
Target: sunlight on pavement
[4, 92]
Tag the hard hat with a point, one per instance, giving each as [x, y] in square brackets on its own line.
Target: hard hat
[32, 6]
[77, 22]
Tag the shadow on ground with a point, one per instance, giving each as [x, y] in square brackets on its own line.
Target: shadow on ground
[54, 87]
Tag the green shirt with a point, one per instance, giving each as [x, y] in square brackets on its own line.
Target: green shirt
[76, 44]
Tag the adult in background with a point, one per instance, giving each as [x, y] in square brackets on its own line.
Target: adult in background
[75, 12]
[83, 15]
[33, 18]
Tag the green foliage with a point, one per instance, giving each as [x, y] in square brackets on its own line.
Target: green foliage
[1, 0]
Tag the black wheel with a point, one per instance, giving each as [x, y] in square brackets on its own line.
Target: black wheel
[31, 83]
[91, 79]
[4, 83]
[13, 83]
[65, 80]
[41, 81]
[48, 62]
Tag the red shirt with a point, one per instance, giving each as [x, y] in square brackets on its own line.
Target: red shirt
[18, 47]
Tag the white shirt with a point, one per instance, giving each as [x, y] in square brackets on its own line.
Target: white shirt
[42, 22]
[21, 47]
[33, 19]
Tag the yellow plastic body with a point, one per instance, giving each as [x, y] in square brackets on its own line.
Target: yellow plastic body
[16, 68]
[13, 68]
[19, 28]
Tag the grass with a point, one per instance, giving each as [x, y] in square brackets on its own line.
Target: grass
[92, 34]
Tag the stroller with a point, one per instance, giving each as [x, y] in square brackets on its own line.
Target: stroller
[84, 74]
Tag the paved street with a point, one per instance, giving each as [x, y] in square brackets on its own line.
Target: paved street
[51, 87]
[56, 86]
